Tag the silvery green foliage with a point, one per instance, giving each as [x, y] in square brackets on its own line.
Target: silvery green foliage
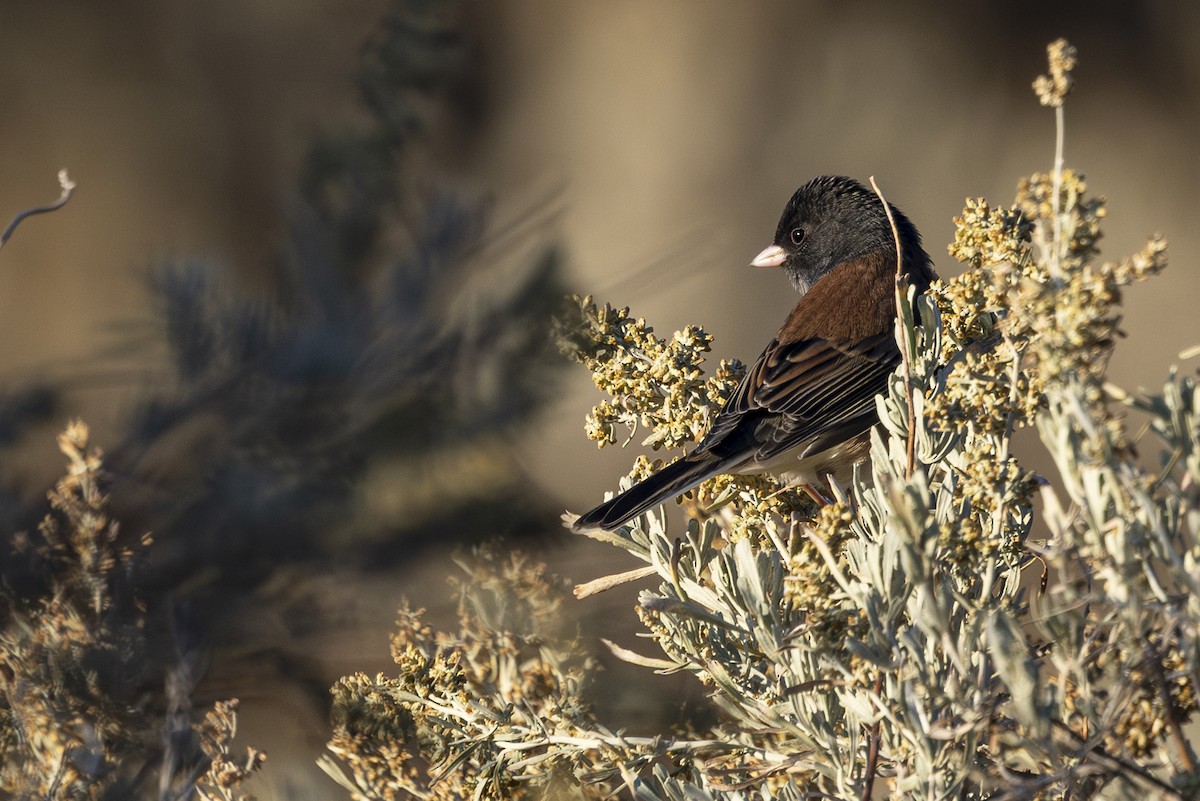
[967, 692]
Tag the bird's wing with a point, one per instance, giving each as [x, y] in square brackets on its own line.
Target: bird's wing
[801, 393]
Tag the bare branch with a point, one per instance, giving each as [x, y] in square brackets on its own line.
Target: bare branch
[68, 188]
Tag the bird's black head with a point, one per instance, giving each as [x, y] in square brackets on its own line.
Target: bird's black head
[831, 220]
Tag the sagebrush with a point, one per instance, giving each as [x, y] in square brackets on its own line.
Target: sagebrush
[917, 637]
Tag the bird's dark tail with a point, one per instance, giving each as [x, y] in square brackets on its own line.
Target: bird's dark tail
[674, 479]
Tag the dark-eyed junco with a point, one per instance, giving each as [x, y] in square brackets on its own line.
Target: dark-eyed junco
[805, 408]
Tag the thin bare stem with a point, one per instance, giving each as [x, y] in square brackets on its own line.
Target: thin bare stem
[902, 297]
[68, 188]
[608, 582]
[873, 747]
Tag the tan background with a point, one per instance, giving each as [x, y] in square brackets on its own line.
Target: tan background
[669, 135]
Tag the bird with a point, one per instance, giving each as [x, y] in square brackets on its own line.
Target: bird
[806, 407]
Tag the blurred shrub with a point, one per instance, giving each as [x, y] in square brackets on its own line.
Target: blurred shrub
[359, 408]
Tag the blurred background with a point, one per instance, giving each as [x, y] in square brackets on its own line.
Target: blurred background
[300, 294]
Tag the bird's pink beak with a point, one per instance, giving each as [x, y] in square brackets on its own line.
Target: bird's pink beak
[772, 256]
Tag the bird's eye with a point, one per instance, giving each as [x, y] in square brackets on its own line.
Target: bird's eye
[797, 236]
